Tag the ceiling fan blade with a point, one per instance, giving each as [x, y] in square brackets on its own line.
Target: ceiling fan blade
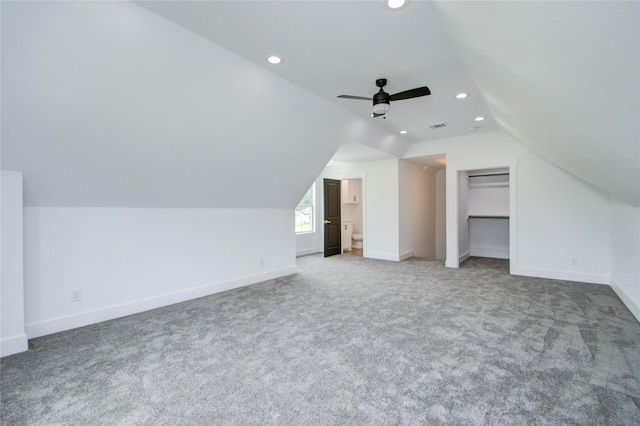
[413, 93]
[374, 115]
[360, 98]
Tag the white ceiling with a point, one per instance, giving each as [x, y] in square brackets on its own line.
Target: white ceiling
[559, 77]
[146, 104]
[105, 104]
[358, 153]
[562, 78]
[335, 47]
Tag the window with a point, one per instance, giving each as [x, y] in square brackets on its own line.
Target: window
[304, 212]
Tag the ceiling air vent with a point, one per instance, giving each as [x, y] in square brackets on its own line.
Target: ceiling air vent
[438, 126]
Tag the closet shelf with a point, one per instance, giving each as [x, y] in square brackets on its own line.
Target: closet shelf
[489, 185]
[487, 217]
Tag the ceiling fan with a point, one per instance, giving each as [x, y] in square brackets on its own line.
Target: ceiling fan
[382, 99]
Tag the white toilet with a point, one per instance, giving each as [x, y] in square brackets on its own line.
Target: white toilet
[357, 241]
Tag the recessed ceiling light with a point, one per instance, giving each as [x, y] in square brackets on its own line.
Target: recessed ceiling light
[396, 4]
[404, 132]
[462, 95]
[480, 118]
[273, 59]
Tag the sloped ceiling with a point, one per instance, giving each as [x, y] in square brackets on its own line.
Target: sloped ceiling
[109, 104]
[560, 77]
[341, 47]
[563, 78]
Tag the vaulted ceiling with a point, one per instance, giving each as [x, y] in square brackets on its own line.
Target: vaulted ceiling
[563, 78]
[342, 47]
[172, 103]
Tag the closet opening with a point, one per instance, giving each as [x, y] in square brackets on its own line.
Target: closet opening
[488, 213]
[484, 207]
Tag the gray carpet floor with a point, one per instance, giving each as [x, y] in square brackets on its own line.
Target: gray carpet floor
[346, 341]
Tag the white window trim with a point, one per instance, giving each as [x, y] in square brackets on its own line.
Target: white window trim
[313, 211]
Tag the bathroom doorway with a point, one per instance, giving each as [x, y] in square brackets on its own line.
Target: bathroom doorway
[352, 229]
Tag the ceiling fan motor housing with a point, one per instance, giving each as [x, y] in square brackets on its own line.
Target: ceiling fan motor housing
[381, 102]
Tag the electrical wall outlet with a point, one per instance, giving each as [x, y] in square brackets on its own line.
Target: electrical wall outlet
[76, 295]
[574, 262]
[262, 261]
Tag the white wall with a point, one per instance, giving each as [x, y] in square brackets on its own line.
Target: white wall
[441, 214]
[309, 243]
[398, 205]
[561, 218]
[625, 254]
[108, 111]
[106, 104]
[12, 332]
[417, 211]
[464, 248]
[127, 260]
[380, 204]
[489, 237]
[489, 200]
[558, 217]
[521, 63]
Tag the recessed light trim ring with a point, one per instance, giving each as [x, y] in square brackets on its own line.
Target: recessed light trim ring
[394, 5]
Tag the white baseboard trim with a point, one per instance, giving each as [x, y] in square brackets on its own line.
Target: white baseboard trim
[464, 256]
[382, 256]
[406, 255]
[630, 304]
[13, 345]
[306, 252]
[493, 252]
[112, 312]
[450, 264]
[388, 256]
[561, 275]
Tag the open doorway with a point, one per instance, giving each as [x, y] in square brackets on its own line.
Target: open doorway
[483, 220]
[344, 217]
[488, 213]
[423, 206]
[352, 217]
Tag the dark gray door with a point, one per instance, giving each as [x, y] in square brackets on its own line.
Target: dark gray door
[332, 239]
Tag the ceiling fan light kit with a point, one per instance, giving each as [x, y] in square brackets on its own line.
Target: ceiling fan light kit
[382, 100]
[380, 109]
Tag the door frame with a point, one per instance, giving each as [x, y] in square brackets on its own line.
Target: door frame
[341, 177]
[454, 176]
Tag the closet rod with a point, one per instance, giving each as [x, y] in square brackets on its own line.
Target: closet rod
[490, 174]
